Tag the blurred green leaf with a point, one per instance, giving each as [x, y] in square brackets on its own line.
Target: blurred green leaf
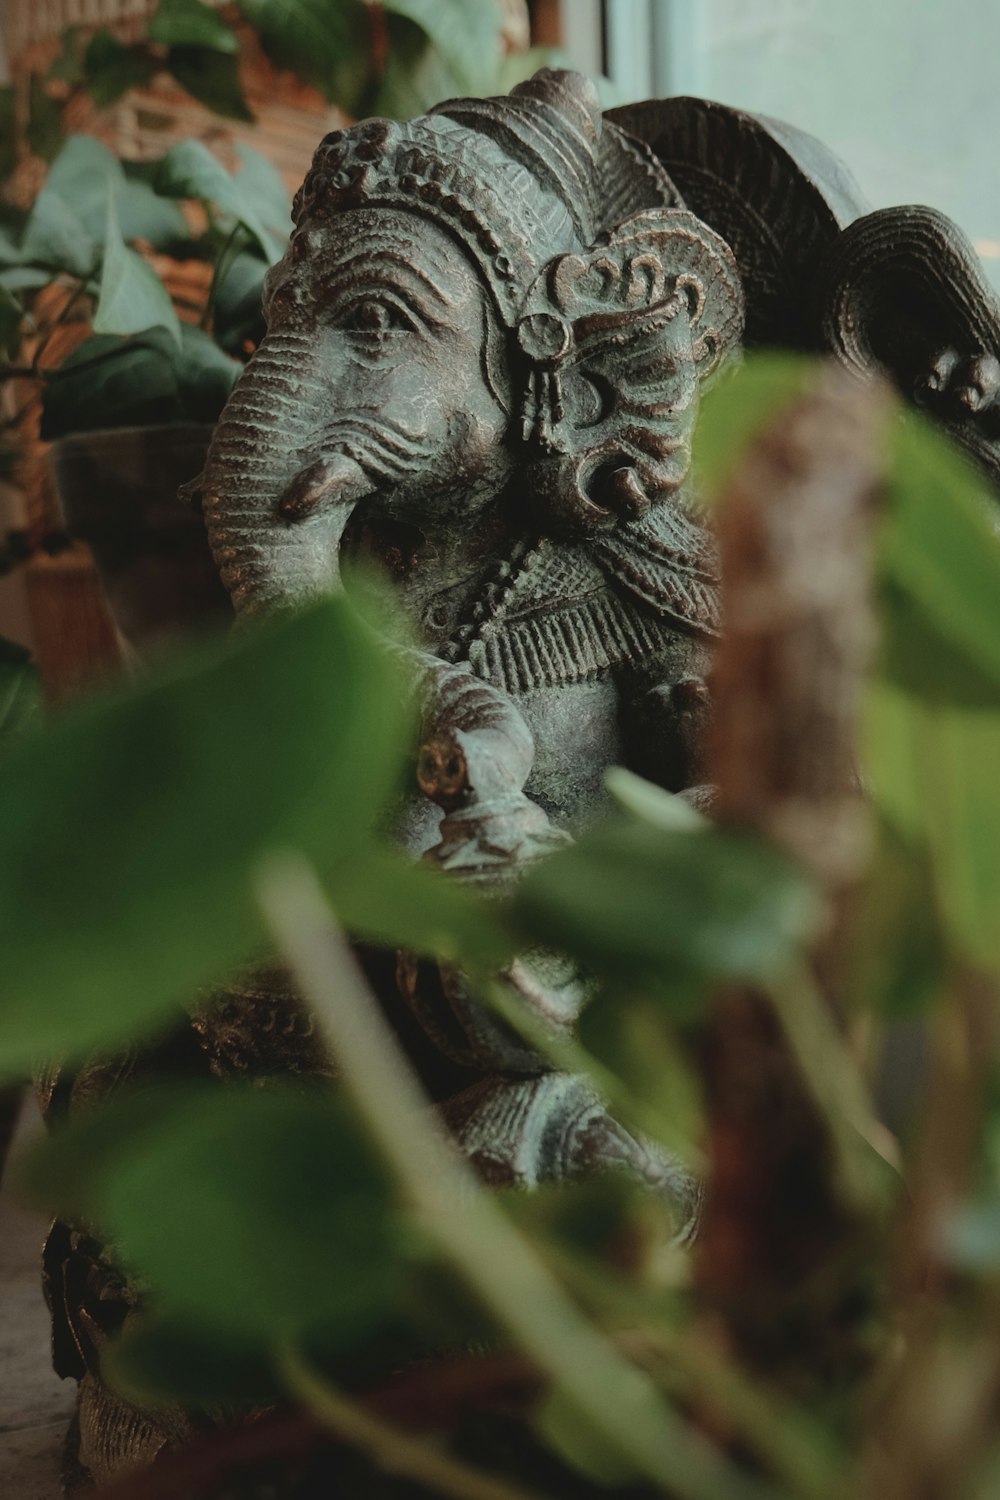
[574, 1439]
[161, 1360]
[113, 381]
[44, 119]
[8, 130]
[191, 23]
[393, 901]
[20, 694]
[189, 170]
[129, 829]
[650, 803]
[641, 903]
[737, 409]
[939, 546]
[111, 69]
[68, 65]
[257, 1212]
[205, 375]
[466, 37]
[415, 76]
[211, 77]
[933, 776]
[895, 952]
[325, 42]
[56, 237]
[11, 320]
[237, 313]
[132, 297]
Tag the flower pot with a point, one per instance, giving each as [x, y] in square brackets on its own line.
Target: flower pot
[118, 493]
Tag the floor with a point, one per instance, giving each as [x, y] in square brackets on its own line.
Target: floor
[35, 1407]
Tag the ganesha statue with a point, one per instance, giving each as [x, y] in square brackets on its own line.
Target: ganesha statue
[485, 351]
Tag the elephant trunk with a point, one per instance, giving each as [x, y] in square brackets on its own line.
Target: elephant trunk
[270, 554]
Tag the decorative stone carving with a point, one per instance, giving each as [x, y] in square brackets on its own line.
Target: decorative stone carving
[485, 350]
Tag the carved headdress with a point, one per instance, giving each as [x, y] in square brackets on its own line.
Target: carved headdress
[584, 246]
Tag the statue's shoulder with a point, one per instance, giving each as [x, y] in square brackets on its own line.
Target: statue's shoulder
[570, 612]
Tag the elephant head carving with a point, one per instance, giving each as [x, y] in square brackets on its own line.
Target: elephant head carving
[498, 314]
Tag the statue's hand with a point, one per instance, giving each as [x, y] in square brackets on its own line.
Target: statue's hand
[490, 830]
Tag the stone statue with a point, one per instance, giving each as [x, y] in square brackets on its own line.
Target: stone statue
[484, 354]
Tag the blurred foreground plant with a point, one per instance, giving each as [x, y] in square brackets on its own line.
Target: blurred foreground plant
[835, 1332]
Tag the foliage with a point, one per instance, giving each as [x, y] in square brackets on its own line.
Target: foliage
[154, 838]
[93, 232]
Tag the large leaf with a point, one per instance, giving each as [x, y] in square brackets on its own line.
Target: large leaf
[74, 202]
[259, 1213]
[213, 78]
[416, 75]
[939, 546]
[205, 375]
[189, 170]
[132, 297]
[44, 119]
[933, 775]
[326, 42]
[237, 313]
[467, 38]
[113, 381]
[642, 903]
[56, 237]
[191, 23]
[129, 829]
[111, 69]
[20, 694]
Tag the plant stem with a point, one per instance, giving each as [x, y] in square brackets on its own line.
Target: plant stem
[615, 1402]
[391, 1449]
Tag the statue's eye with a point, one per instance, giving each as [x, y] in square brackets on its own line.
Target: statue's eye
[375, 315]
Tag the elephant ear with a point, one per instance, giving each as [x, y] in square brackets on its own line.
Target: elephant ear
[614, 343]
[776, 195]
[902, 292]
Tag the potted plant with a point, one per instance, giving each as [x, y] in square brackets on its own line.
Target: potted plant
[130, 378]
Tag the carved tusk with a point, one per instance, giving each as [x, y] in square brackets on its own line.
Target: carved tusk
[327, 482]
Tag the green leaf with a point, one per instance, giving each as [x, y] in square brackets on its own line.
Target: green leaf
[144, 215]
[392, 901]
[939, 547]
[45, 131]
[650, 803]
[68, 65]
[129, 830]
[113, 381]
[896, 953]
[111, 68]
[132, 297]
[56, 237]
[641, 903]
[466, 37]
[8, 130]
[932, 771]
[237, 313]
[11, 320]
[416, 76]
[325, 42]
[160, 1360]
[205, 375]
[739, 407]
[189, 170]
[260, 1213]
[20, 694]
[213, 78]
[191, 23]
